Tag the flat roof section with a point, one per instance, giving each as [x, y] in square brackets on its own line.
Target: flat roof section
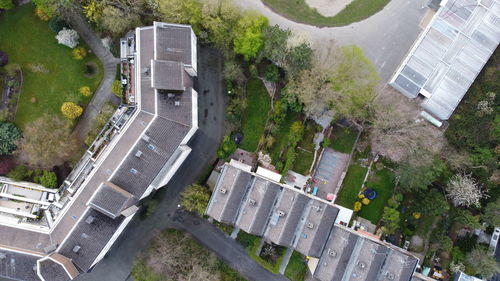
[449, 54]
[168, 75]
[18, 266]
[254, 213]
[173, 43]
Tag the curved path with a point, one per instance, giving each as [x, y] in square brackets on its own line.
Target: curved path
[385, 37]
[103, 93]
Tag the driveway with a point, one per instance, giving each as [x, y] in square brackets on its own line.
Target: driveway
[117, 264]
[385, 37]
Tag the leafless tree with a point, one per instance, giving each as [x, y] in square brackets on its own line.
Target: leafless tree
[463, 190]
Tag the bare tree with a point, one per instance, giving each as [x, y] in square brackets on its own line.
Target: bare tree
[397, 132]
[463, 190]
[46, 142]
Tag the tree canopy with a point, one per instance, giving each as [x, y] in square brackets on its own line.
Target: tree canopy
[248, 39]
[492, 213]
[483, 263]
[46, 142]
[9, 134]
[391, 220]
[195, 199]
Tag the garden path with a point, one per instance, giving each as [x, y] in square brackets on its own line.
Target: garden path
[103, 93]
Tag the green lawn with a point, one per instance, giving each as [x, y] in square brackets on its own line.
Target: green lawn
[299, 11]
[343, 139]
[256, 113]
[282, 136]
[304, 159]
[251, 243]
[296, 269]
[28, 40]
[382, 182]
[348, 193]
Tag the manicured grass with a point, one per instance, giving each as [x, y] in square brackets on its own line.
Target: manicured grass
[28, 40]
[299, 11]
[296, 269]
[350, 187]
[251, 243]
[304, 159]
[343, 139]
[256, 113]
[282, 136]
[383, 183]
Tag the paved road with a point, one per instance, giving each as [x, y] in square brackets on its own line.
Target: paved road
[103, 93]
[385, 37]
[137, 235]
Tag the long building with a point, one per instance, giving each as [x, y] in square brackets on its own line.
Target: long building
[284, 215]
[448, 55]
[138, 151]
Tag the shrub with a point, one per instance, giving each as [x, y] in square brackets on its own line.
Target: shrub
[41, 14]
[151, 206]
[253, 70]
[326, 143]
[57, 24]
[4, 58]
[6, 4]
[195, 199]
[48, 179]
[71, 110]
[227, 147]
[19, 173]
[79, 53]
[357, 206]
[68, 37]
[9, 134]
[272, 73]
[365, 201]
[85, 90]
[116, 88]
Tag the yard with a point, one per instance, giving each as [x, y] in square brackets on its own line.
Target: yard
[256, 114]
[305, 150]
[296, 269]
[51, 75]
[282, 136]
[251, 243]
[382, 182]
[299, 11]
[351, 186]
[343, 139]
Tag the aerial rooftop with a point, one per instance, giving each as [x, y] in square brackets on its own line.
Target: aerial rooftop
[449, 54]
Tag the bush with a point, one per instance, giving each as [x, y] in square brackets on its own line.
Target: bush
[151, 206]
[41, 14]
[326, 143]
[85, 90]
[6, 4]
[4, 59]
[253, 70]
[19, 173]
[116, 88]
[57, 24]
[227, 147]
[79, 53]
[272, 73]
[9, 134]
[365, 201]
[357, 206]
[48, 179]
[71, 110]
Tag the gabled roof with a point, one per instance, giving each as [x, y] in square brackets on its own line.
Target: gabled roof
[255, 211]
[173, 42]
[449, 54]
[316, 228]
[111, 200]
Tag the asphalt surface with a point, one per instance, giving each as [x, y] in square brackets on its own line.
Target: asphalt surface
[117, 264]
[385, 37]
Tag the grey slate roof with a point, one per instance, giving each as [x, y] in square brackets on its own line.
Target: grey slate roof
[173, 43]
[348, 256]
[450, 54]
[176, 107]
[90, 237]
[316, 228]
[17, 266]
[255, 211]
[168, 75]
[111, 200]
[336, 255]
[228, 195]
[285, 217]
[52, 271]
